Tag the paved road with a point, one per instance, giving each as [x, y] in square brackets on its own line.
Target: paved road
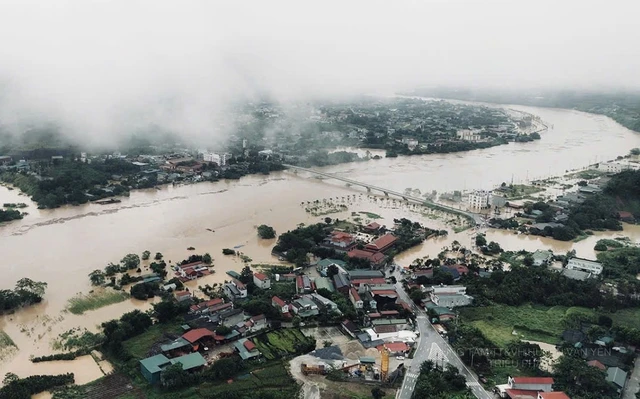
[431, 346]
[634, 382]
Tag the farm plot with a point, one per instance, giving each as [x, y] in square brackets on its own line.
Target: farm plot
[282, 343]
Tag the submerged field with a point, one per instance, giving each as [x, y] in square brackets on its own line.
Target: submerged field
[94, 300]
[7, 346]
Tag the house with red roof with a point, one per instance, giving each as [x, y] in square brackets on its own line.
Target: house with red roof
[262, 281]
[552, 395]
[199, 337]
[340, 241]
[382, 244]
[396, 348]
[204, 307]
[377, 280]
[355, 299]
[376, 258]
[182, 296]
[279, 304]
[372, 228]
[521, 394]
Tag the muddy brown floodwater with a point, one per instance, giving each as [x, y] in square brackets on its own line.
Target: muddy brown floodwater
[61, 246]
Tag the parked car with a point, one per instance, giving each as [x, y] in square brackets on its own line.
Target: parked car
[399, 357]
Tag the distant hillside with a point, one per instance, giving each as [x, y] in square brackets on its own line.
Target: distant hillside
[624, 108]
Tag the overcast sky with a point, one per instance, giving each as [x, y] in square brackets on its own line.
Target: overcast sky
[106, 66]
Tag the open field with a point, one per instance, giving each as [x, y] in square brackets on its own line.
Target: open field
[370, 215]
[280, 343]
[96, 299]
[626, 317]
[140, 345]
[273, 379]
[535, 323]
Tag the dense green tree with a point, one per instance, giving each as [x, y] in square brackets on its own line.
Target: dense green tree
[131, 261]
[266, 232]
[206, 258]
[97, 277]
[146, 255]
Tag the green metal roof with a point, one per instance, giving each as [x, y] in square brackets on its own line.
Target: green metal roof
[328, 262]
[367, 359]
[178, 343]
[233, 273]
[155, 364]
[617, 376]
[190, 361]
[324, 282]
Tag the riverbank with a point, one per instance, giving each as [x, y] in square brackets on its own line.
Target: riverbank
[70, 242]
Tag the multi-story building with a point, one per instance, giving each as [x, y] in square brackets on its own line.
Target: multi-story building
[450, 296]
[480, 199]
[585, 265]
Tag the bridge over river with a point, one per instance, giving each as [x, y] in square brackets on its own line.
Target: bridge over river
[473, 217]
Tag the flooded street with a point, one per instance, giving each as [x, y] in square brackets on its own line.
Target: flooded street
[62, 246]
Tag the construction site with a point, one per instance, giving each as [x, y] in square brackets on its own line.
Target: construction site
[342, 368]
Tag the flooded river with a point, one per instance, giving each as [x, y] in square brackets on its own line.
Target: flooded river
[62, 246]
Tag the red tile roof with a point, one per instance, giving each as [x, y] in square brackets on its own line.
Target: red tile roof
[373, 226]
[397, 346]
[533, 380]
[260, 276]
[209, 303]
[596, 363]
[239, 284]
[354, 294]
[374, 257]
[553, 395]
[521, 394]
[341, 236]
[249, 345]
[384, 329]
[382, 243]
[278, 301]
[197, 334]
[374, 315]
[389, 312]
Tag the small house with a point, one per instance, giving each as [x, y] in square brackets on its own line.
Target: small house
[262, 281]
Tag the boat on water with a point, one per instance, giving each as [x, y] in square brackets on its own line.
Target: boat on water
[107, 201]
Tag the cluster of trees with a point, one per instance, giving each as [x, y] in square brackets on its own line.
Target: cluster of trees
[492, 248]
[620, 263]
[116, 332]
[409, 234]
[577, 379]
[521, 285]
[266, 232]
[9, 214]
[174, 377]
[69, 182]
[26, 292]
[24, 388]
[144, 291]
[438, 383]
[297, 243]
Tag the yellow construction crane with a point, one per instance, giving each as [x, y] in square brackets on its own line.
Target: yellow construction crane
[384, 366]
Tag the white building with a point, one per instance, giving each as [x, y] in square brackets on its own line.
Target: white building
[262, 281]
[450, 296]
[468, 135]
[211, 157]
[617, 167]
[585, 265]
[480, 199]
[220, 159]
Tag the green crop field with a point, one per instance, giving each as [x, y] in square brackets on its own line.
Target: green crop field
[536, 323]
[280, 343]
[139, 346]
[94, 300]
